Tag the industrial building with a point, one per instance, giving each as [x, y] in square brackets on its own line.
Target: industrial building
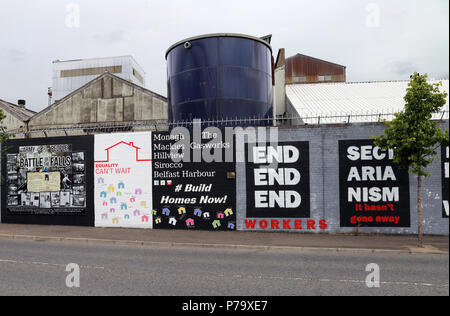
[105, 101]
[216, 78]
[16, 116]
[71, 75]
[302, 69]
[352, 102]
[309, 90]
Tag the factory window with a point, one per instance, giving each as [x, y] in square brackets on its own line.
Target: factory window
[90, 71]
[325, 78]
[138, 76]
[299, 79]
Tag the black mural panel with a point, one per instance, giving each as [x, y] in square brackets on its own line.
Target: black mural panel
[48, 181]
[278, 184]
[445, 172]
[192, 194]
[374, 192]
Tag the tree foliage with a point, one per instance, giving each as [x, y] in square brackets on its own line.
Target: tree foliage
[412, 134]
[3, 137]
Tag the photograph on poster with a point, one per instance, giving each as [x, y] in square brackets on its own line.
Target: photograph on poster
[78, 201]
[56, 199]
[78, 179]
[78, 157]
[13, 200]
[45, 200]
[65, 199]
[79, 190]
[12, 168]
[78, 167]
[43, 176]
[11, 159]
[26, 199]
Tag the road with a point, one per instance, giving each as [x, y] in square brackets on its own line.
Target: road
[39, 268]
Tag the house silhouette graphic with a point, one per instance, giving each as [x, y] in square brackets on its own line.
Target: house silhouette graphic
[131, 145]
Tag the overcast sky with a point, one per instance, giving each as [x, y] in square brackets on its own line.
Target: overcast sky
[375, 39]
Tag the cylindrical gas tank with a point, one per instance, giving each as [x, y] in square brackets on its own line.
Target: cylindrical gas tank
[218, 77]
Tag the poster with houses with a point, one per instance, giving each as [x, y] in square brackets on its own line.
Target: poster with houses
[123, 185]
[193, 195]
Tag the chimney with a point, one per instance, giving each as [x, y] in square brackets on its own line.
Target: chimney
[21, 103]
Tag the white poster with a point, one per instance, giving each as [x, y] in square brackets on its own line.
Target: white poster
[123, 180]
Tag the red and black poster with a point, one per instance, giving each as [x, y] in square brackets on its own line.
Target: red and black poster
[193, 185]
[445, 172]
[374, 192]
[278, 183]
[48, 181]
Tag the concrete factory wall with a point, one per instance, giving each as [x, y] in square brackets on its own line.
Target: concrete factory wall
[105, 100]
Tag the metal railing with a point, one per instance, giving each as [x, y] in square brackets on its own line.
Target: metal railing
[285, 121]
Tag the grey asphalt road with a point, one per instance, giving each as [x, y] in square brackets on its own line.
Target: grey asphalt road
[39, 268]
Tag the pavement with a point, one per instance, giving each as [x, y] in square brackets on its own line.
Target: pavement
[236, 240]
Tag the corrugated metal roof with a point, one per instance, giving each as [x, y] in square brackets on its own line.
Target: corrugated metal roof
[19, 112]
[343, 99]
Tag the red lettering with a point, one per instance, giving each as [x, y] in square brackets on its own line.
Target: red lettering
[263, 224]
[323, 224]
[311, 224]
[298, 224]
[274, 224]
[250, 224]
[286, 224]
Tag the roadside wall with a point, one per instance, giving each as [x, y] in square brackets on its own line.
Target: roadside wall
[329, 179]
[325, 181]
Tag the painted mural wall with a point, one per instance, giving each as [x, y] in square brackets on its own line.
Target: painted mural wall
[48, 181]
[374, 192]
[352, 186]
[189, 192]
[123, 180]
[445, 174]
[278, 185]
[321, 179]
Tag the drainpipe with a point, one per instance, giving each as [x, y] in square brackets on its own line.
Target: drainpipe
[27, 129]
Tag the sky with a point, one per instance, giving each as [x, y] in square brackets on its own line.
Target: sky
[375, 39]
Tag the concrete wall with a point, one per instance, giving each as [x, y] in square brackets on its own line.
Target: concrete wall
[107, 99]
[280, 91]
[11, 122]
[324, 181]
